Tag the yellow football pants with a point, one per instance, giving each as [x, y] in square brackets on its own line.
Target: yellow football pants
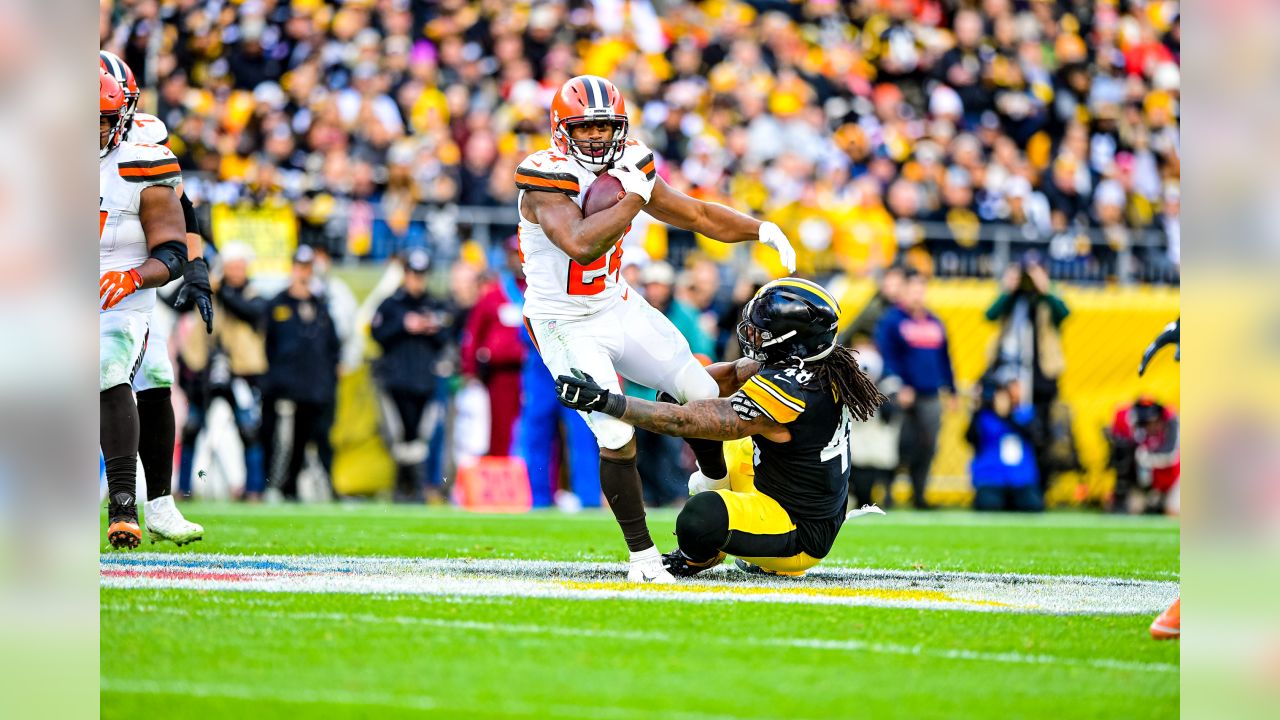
[756, 513]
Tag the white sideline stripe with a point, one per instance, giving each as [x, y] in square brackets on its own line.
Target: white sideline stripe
[973, 592]
[504, 706]
[1015, 658]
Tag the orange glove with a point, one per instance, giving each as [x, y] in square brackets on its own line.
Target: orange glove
[116, 285]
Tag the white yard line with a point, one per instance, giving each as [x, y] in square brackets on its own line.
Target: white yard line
[980, 592]
[853, 646]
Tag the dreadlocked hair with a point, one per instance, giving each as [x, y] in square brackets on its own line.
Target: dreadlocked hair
[853, 388]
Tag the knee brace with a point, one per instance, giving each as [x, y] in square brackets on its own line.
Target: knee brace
[702, 527]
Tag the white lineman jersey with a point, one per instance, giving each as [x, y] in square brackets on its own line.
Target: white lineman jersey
[558, 287]
[123, 174]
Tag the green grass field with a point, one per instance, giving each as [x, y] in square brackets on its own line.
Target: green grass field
[468, 643]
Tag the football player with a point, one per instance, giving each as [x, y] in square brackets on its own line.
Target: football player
[797, 392]
[578, 310]
[154, 378]
[141, 246]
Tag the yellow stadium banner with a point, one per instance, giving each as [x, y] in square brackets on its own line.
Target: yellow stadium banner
[1103, 339]
[272, 232]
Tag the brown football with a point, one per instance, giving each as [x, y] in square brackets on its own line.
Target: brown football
[604, 193]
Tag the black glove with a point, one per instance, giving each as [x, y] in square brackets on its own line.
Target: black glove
[579, 391]
[195, 288]
[1172, 334]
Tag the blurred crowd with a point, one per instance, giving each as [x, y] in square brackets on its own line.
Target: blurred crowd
[933, 132]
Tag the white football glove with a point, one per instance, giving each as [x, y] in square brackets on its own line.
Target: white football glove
[772, 236]
[634, 181]
[636, 170]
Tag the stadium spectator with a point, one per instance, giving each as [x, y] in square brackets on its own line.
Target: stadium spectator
[227, 364]
[412, 328]
[300, 384]
[492, 350]
[1029, 344]
[863, 328]
[873, 444]
[913, 342]
[1003, 433]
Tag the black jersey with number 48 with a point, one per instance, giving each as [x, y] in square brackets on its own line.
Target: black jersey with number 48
[809, 474]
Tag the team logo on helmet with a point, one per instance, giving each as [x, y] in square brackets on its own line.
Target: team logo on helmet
[585, 99]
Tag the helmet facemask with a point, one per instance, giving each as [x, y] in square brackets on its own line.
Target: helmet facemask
[756, 340]
[594, 155]
[116, 135]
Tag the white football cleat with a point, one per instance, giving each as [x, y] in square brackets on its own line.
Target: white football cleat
[699, 483]
[865, 510]
[646, 567]
[164, 522]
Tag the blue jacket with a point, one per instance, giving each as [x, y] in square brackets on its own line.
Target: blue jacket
[1002, 453]
[915, 351]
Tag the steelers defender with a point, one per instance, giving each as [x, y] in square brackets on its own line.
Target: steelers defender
[794, 396]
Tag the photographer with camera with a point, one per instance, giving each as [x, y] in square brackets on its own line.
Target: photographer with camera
[1002, 433]
[1029, 345]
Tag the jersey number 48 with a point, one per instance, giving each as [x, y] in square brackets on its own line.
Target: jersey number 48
[839, 445]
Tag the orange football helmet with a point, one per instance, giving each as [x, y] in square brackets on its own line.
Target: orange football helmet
[119, 70]
[583, 99]
[111, 105]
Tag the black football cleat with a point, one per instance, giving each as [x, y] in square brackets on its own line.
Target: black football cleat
[123, 531]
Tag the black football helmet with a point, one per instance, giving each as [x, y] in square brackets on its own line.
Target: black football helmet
[789, 322]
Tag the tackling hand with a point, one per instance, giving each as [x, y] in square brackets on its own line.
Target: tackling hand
[196, 289]
[772, 236]
[579, 391]
[116, 285]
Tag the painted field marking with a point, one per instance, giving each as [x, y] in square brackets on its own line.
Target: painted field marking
[853, 646]
[980, 592]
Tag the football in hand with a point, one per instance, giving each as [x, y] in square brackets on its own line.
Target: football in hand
[604, 193]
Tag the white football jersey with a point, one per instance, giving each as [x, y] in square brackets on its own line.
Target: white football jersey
[122, 176]
[148, 129]
[558, 287]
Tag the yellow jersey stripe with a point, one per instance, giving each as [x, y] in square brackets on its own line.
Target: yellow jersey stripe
[772, 406]
[779, 393]
[814, 288]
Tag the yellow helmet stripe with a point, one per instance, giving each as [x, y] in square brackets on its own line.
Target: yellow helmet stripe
[812, 287]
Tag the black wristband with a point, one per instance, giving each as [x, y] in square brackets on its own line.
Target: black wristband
[616, 405]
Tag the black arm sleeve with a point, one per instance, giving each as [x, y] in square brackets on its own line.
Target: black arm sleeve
[189, 214]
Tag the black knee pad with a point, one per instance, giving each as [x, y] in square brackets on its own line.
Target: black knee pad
[702, 527]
